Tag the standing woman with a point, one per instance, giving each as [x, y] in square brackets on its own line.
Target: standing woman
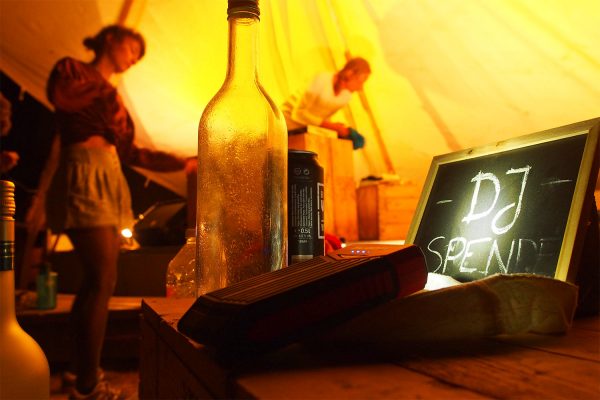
[89, 198]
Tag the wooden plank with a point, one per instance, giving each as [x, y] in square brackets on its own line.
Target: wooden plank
[177, 380]
[385, 209]
[369, 381]
[344, 190]
[590, 323]
[580, 342]
[182, 366]
[51, 328]
[149, 377]
[367, 200]
[523, 366]
[157, 309]
[147, 262]
[197, 359]
[469, 366]
[504, 371]
[65, 301]
[164, 315]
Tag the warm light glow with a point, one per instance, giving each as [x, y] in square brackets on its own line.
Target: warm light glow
[429, 92]
[438, 281]
[126, 233]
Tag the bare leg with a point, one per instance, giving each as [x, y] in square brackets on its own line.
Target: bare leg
[98, 251]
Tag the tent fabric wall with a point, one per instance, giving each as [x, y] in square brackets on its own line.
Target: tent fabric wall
[446, 75]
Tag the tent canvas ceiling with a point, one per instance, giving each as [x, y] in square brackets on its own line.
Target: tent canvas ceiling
[447, 74]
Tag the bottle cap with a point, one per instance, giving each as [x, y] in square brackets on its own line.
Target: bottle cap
[301, 153]
[7, 198]
[243, 6]
[7, 233]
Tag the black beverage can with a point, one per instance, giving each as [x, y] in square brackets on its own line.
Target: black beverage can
[306, 195]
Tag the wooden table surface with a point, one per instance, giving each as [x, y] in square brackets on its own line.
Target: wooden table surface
[525, 366]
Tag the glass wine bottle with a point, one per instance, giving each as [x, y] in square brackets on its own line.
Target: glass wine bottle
[242, 168]
[24, 371]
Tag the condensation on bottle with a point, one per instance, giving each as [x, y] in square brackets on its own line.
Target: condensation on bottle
[181, 271]
[242, 167]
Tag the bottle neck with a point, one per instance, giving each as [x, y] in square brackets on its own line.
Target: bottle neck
[7, 254]
[7, 271]
[7, 298]
[243, 48]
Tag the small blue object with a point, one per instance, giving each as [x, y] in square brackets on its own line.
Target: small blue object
[358, 140]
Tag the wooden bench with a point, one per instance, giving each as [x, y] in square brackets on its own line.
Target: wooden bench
[50, 328]
[141, 272]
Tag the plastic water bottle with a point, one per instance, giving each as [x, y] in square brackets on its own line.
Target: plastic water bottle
[181, 272]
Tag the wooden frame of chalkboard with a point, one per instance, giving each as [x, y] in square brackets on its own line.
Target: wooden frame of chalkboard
[521, 205]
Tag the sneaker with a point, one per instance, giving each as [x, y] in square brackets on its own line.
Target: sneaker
[102, 391]
[69, 379]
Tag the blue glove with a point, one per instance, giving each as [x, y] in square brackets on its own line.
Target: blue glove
[358, 140]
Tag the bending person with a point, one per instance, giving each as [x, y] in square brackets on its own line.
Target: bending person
[327, 94]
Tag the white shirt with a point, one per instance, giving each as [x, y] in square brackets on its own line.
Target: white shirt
[316, 104]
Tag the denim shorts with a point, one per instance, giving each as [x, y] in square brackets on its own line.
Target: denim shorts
[88, 190]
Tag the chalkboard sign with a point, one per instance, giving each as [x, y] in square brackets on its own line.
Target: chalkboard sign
[510, 207]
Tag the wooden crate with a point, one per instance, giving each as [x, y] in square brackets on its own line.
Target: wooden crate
[336, 158]
[385, 209]
[173, 366]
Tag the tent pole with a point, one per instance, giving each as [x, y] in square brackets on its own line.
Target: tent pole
[130, 13]
[363, 97]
